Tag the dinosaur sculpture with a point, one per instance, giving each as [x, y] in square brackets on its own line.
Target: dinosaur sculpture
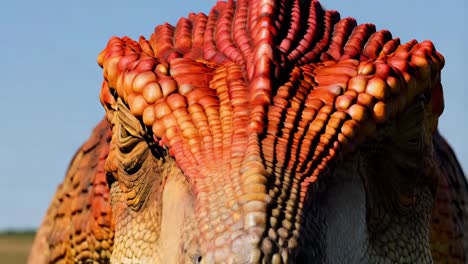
[263, 132]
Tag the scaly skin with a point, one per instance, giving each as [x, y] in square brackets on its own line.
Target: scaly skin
[267, 132]
[78, 225]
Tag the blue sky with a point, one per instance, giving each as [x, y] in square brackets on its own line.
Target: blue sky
[50, 80]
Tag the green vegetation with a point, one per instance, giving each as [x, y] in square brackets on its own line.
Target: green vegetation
[15, 245]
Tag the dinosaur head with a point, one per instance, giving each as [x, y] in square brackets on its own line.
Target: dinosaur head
[238, 136]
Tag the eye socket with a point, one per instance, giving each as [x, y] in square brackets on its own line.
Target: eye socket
[123, 133]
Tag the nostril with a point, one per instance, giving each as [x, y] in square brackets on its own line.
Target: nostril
[198, 260]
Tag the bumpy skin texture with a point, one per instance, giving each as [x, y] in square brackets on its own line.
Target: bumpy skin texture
[269, 132]
[449, 225]
[78, 225]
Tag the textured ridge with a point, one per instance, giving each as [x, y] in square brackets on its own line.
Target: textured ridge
[206, 87]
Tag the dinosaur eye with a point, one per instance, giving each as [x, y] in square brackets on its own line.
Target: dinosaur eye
[126, 139]
[123, 133]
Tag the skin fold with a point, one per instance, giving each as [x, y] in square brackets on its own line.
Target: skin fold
[263, 132]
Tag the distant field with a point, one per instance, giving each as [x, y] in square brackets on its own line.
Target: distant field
[15, 246]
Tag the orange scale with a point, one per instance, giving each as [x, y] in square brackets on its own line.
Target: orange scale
[319, 149]
[343, 68]
[181, 115]
[260, 83]
[378, 88]
[390, 46]
[327, 109]
[193, 141]
[142, 79]
[171, 55]
[366, 68]
[128, 78]
[114, 48]
[162, 110]
[402, 52]
[174, 138]
[420, 59]
[358, 83]
[219, 76]
[313, 103]
[119, 80]
[381, 112]
[115, 41]
[176, 101]
[193, 96]
[186, 88]
[383, 70]
[146, 64]
[208, 101]
[351, 93]
[366, 100]
[172, 130]
[398, 63]
[330, 130]
[238, 100]
[350, 64]
[108, 54]
[428, 46]
[145, 46]
[326, 137]
[332, 79]
[152, 92]
[189, 131]
[161, 70]
[111, 70]
[159, 129]
[168, 86]
[280, 102]
[316, 125]
[273, 120]
[197, 112]
[393, 84]
[344, 140]
[283, 91]
[138, 105]
[197, 80]
[129, 99]
[308, 113]
[357, 112]
[105, 95]
[149, 116]
[334, 122]
[323, 95]
[341, 115]
[127, 51]
[349, 129]
[126, 61]
[343, 102]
